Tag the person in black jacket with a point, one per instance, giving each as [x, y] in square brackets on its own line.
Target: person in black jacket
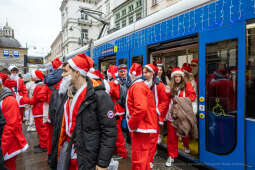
[88, 119]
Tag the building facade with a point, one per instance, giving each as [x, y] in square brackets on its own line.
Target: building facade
[56, 48]
[156, 5]
[128, 11]
[11, 51]
[78, 29]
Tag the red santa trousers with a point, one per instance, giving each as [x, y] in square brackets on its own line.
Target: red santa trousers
[185, 141]
[154, 142]
[50, 134]
[21, 111]
[42, 132]
[11, 163]
[73, 164]
[120, 147]
[172, 141]
[140, 150]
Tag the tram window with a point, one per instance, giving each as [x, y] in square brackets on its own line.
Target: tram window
[221, 96]
[250, 71]
[138, 59]
[123, 61]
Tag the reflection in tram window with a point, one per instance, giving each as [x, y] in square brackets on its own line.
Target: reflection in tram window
[250, 71]
[137, 59]
[221, 96]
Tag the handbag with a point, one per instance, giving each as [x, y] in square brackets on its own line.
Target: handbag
[65, 154]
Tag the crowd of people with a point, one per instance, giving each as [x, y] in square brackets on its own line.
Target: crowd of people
[84, 118]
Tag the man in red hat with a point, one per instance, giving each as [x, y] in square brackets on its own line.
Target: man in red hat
[20, 89]
[141, 118]
[113, 88]
[39, 99]
[88, 123]
[12, 140]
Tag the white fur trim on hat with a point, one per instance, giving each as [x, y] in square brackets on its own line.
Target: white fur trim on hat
[12, 67]
[177, 72]
[134, 76]
[73, 65]
[92, 76]
[148, 67]
[134, 73]
[34, 75]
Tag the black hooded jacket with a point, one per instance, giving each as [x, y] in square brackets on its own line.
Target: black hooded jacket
[96, 131]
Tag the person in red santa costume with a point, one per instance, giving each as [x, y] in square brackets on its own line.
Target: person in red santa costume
[113, 89]
[39, 99]
[141, 119]
[53, 81]
[88, 119]
[178, 88]
[161, 99]
[20, 90]
[13, 140]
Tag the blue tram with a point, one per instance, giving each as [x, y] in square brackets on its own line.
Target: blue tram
[221, 34]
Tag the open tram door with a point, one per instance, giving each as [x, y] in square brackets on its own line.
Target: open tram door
[222, 97]
[105, 62]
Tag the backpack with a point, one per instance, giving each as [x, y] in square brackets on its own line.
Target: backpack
[53, 104]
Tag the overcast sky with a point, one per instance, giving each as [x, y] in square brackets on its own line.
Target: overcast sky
[36, 22]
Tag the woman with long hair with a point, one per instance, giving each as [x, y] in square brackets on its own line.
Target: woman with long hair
[161, 100]
[178, 87]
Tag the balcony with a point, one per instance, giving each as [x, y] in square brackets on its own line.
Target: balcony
[85, 21]
[83, 41]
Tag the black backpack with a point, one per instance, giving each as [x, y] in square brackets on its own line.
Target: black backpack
[123, 95]
[53, 104]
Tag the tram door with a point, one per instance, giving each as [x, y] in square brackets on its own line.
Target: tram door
[105, 62]
[222, 97]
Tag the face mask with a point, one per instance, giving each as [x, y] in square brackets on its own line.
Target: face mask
[65, 84]
[14, 77]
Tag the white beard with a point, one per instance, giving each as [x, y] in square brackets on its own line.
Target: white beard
[148, 83]
[14, 77]
[65, 84]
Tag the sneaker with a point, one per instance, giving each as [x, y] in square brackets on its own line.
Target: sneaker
[159, 139]
[169, 161]
[151, 165]
[186, 150]
[36, 146]
[117, 157]
[40, 150]
[49, 159]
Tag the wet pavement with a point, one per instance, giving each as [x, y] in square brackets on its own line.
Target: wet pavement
[31, 161]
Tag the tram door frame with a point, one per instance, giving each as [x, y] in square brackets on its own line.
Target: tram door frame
[104, 59]
[235, 159]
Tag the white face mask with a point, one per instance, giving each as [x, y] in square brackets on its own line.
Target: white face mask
[14, 77]
[65, 84]
[148, 83]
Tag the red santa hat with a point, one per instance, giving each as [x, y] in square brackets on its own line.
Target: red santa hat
[177, 71]
[194, 61]
[135, 71]
[159, 64]
[3, 77]
[56, 63]
[186, 68]
[37, 74]
[152, 68]
[82, 63]
[113, 71]
[97, 75]
[122, 67]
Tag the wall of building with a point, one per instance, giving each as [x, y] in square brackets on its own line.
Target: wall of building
[156, 5]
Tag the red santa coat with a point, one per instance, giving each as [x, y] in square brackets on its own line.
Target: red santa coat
[113, 89]
[13, 140]
[40, 96]
[21, 91]
[162, 101]
[141, 109]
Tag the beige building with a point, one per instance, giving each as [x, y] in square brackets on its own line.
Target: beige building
[11, 52]
[157, 5]
[56, 48]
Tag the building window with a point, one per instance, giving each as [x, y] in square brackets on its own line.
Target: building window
[84, 34]
[84, 16]
[131, 8]
[138, 16]
[154, 2]
[131, 20]
[138, 3]
[123, 12]
[117, 25]
[118, 16]
[124, 23]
